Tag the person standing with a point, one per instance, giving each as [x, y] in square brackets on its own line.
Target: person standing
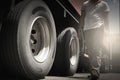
[94, 21]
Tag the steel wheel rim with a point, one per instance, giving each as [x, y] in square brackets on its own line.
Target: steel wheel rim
[40, 39]
[73, 50]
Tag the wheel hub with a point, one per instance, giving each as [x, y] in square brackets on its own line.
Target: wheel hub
[40, 39]
[73, 50]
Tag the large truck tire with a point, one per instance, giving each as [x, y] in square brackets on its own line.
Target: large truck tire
[28, 40]
[67, 54]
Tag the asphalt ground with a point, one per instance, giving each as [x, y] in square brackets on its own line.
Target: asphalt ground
[77, 76]
[84, 76]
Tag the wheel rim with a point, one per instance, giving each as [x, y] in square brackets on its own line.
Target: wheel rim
[73, 50]
[40, 39]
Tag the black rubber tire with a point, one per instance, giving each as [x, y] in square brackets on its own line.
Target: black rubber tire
[62, 65]
[16, 54]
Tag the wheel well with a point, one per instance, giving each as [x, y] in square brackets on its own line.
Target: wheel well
[61, 17]
[63, 20]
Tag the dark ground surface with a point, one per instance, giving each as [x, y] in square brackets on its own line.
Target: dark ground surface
[81, 76]
[78, 76]
[110, 76]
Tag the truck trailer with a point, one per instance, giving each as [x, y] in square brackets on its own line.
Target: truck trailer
[40, 37]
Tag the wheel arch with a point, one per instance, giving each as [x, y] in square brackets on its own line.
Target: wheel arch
[63, 19]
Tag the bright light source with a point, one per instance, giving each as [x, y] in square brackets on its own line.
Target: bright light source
[110, 39]
[86, 55]
[106, 39]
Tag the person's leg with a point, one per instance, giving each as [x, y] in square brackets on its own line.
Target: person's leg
[95, 64]
[92, 40]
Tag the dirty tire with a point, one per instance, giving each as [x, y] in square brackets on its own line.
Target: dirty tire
[28, 40]
[67, 53]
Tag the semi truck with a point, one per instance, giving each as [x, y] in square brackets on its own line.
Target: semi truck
[40, 37]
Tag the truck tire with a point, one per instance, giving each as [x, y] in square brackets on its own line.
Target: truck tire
[28, 40]
[67, 53]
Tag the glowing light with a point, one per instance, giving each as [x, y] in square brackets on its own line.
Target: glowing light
[86, 55]
[106, 39]
[111, 38]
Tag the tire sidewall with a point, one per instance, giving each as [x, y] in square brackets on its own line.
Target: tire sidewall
[71, 33]
[64, 41]
[30, 65]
